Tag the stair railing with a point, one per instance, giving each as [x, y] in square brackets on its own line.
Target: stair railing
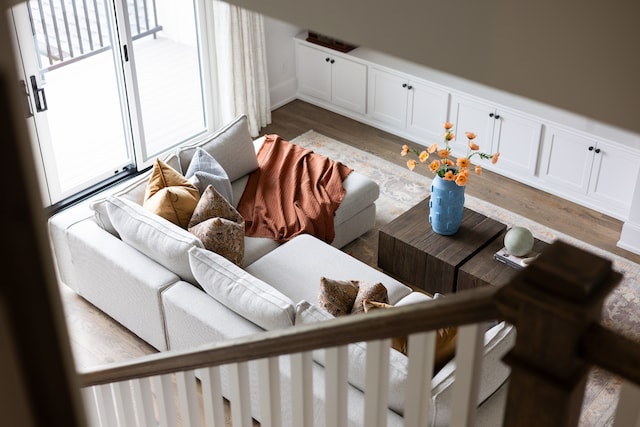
[555, 304]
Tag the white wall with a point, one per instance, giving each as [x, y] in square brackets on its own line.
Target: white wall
[281, 61]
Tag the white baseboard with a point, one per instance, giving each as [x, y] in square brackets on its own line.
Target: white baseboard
[283, 93]
[630, 238]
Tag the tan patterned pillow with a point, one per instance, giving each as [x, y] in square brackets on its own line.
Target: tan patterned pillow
[337, 296]
[219, 226]
[372, 292]
[170, 195]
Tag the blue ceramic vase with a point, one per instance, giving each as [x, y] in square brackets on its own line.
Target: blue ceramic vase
[446, 206]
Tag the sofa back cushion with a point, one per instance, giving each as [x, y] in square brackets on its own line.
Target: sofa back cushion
[232, 147]
[246, 295]
[159, 239]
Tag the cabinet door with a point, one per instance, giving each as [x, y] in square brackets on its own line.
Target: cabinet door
[314, 72]
[349, 84]
[469, 115]
[517, 138]
[387, 98]
[566, 160]
[427, 111]
[614, 174]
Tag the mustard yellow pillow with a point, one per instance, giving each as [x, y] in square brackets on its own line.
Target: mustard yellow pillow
[170, 195]
[445, 339]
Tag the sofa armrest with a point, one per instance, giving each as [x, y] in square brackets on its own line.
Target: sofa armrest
[497, 341]
[119, 280]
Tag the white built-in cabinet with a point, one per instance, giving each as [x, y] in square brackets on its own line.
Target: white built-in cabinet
[515, 135]
[590, 170]
[407, 104]
[401, 99]
[330, 77]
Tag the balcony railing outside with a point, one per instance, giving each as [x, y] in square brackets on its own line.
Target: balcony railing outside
[69, 30]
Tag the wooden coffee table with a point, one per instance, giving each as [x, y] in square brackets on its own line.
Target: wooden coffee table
[484, 270]
[410, 251]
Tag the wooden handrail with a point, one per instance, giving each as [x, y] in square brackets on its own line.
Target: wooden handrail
[459, 309]
[555, 305]
[611, 351]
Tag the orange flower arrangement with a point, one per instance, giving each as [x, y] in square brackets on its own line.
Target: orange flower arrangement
[443, 165]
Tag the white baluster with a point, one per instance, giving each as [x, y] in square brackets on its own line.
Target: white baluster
[269, 377]
[188, 398]
[212, 397]
[302, 389]
[143, 402]
[421, 354]
[163, 386]
[468, 358]
[239, 396]
[336, 385]
[376, 385]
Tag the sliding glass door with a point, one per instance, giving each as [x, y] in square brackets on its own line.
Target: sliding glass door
[110, 86]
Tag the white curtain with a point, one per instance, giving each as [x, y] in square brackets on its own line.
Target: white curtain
[241, 66]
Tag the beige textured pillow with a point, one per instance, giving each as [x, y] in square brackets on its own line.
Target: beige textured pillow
[170, 195]
[372, 292]
[445, 339]
[337, 296]
[219, 226]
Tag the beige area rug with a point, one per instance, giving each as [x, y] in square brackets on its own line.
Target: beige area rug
[401, 189]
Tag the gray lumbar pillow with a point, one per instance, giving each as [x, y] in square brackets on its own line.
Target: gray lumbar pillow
[204, 170]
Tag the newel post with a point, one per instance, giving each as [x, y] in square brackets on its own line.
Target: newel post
[552, 303]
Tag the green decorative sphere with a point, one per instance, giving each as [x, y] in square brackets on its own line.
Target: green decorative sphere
[518, 241]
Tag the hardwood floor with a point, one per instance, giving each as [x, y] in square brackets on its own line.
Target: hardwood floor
[575, 220]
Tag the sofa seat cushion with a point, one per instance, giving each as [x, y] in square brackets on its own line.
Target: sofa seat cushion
[295, 268]
[154, 236]
[360, 192]
[248, 296]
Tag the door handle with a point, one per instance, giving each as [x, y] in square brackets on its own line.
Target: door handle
[38, 93]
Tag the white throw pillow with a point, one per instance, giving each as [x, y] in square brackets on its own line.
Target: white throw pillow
[159, 239]
[248, 296]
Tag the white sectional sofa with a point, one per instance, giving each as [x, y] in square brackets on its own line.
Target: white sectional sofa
[157, 280]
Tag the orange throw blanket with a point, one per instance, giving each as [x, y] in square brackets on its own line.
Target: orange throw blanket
[293, 191]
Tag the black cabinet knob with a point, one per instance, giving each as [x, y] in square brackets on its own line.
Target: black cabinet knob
[404, 85]
[327, 59]
[591, 148]
[597, 150]
[497, 116]
[409, 87]
[333, 60]
[491, 114]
